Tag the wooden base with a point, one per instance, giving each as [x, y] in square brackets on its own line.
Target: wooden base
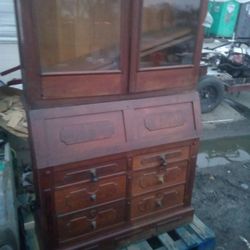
[195, 235]
[125, 235]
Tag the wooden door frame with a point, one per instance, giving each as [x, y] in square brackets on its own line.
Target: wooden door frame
[55, 86]
[184, 77]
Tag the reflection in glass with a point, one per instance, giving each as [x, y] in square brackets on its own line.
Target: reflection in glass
[169, 30]
[79, 35]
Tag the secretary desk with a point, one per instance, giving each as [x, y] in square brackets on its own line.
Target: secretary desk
[114, 118]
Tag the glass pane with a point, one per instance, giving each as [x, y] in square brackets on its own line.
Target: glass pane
[168, 32]
[79, 35]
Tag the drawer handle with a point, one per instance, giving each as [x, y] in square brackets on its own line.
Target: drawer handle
[161, 179]
[159, 203]
[93, 224]
[93, 197]
[164, 162]
[94, 177]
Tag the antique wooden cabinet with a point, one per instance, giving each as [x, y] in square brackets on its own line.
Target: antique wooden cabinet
[113, 116]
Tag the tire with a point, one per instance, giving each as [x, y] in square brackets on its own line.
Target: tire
[211, 93]
[7, 240]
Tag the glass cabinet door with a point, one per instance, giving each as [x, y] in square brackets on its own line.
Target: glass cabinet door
[86, 48]
[82, 38]
[168, 32]
[79, 35]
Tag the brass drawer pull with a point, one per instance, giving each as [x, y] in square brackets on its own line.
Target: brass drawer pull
[94, 177]
[164, 162]
[93, 197]
[161, 179]
[93, 224]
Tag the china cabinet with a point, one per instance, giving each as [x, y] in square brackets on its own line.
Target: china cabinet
[114, 118]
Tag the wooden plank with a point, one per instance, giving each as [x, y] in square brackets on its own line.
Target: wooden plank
[140, 246]
[161, 248]
[164, 46]
[198, 232]
[180, 245]
[188, 238]
[202, 230]
[237, 88]
[150, 41]
[167, 241]
[194, 235]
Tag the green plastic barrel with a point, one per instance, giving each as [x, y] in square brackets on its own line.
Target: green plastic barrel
[225, 16]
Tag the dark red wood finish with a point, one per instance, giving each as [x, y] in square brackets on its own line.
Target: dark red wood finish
[39, 86]
[68, 134]
[159, 177]
[56, 88]
[93, 225]
[126, 155]
[84, 195]
[160, 158]
[178, 78]
[157, 201]
[91, 172]
[114, 152]
[91, 221]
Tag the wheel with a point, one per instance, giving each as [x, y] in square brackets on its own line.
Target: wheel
[211, 92]
[7, 240]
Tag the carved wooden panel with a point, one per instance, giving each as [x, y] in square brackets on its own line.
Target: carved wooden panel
[160, 177]
[91, 220]
[160, 158]
[163, 120]
[160, 200]
[85, 133]
[83, 195]
[90, 172]
[73, 134]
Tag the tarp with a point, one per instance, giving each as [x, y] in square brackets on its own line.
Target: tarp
[12, 113]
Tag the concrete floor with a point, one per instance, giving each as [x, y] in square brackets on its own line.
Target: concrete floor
[242, 97]
[221, 200]
[224, 113]
[222, 187]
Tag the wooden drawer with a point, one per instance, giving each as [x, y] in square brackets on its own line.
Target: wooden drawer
[159, 177]
[89, 172]
[161, 158]
[161, 200]
[90, 220]
[83, 195]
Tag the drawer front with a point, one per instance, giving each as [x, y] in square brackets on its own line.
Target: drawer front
[161, 200]
[91, 220]
[160, 158]
[89, 173]
[160, 177]
[81, 196]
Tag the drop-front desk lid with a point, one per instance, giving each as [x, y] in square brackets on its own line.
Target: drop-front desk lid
[71, 134]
